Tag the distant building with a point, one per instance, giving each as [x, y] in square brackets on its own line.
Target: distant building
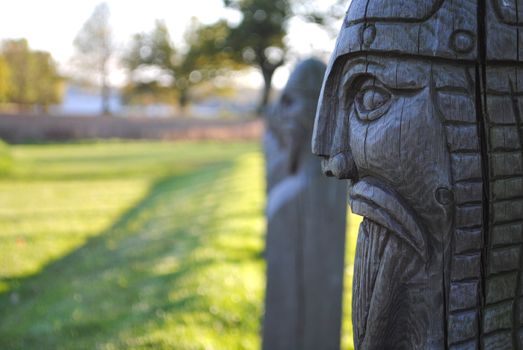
[82, 101]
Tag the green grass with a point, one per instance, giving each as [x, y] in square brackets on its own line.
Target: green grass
[134, 245]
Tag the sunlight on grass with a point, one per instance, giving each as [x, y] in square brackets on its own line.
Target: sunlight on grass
[60, 195]
[42, 220]
[136, 253]
[135, 245]
[353, 223]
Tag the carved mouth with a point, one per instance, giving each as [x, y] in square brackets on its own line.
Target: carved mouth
[370, 199]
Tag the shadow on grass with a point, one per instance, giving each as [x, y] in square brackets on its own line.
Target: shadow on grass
[125, 281]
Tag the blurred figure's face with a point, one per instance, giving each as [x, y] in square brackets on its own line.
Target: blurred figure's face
[293, 110]
[296, 112]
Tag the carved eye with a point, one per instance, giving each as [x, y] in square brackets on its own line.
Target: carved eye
[372, 99]
[372, 102]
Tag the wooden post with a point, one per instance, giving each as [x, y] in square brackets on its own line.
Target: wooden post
[421, 111]
[306, 215]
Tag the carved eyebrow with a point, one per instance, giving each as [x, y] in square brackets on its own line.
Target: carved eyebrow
[399, 81]
[356, 68]
[360, 65]
[392, 72]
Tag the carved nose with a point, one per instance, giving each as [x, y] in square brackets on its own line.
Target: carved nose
[341, 166]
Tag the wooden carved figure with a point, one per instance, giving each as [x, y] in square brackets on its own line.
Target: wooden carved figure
[306, 215]
[421, 110]
[276, 155]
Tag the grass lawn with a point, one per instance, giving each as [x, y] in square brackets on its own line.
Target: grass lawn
[133, 245]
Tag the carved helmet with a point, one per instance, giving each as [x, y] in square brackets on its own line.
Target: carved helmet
[434, 29]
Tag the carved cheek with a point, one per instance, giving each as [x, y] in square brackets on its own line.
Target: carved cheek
[423, 150]
[424, 157]
[382, 144]
[375, 144]
[404, 146]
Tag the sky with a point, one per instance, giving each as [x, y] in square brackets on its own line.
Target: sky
[52, 25]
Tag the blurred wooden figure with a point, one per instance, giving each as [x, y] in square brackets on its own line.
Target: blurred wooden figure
[306, 215]
[276, 155]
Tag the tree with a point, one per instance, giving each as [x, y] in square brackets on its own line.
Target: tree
[178, 69]
[94, 45]
[258, 39]
[33, 76]
[18, 58]
[316, 11]
[5, 80]
[47, 84]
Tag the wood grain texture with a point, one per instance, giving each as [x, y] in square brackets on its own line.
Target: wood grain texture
[423, 101]
[306, 215]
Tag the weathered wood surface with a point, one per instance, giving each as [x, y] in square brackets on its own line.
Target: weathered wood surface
[306, 215]
[421, 111]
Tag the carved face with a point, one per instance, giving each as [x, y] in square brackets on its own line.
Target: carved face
[387, 129]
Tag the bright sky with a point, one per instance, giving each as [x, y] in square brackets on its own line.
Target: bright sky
[52, 25]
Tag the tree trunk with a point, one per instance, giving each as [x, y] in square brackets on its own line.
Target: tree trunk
[183, 99]
[106, 91]
[106, 94]
[267, 85]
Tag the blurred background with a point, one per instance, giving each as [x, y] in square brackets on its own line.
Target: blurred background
[131, 170]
